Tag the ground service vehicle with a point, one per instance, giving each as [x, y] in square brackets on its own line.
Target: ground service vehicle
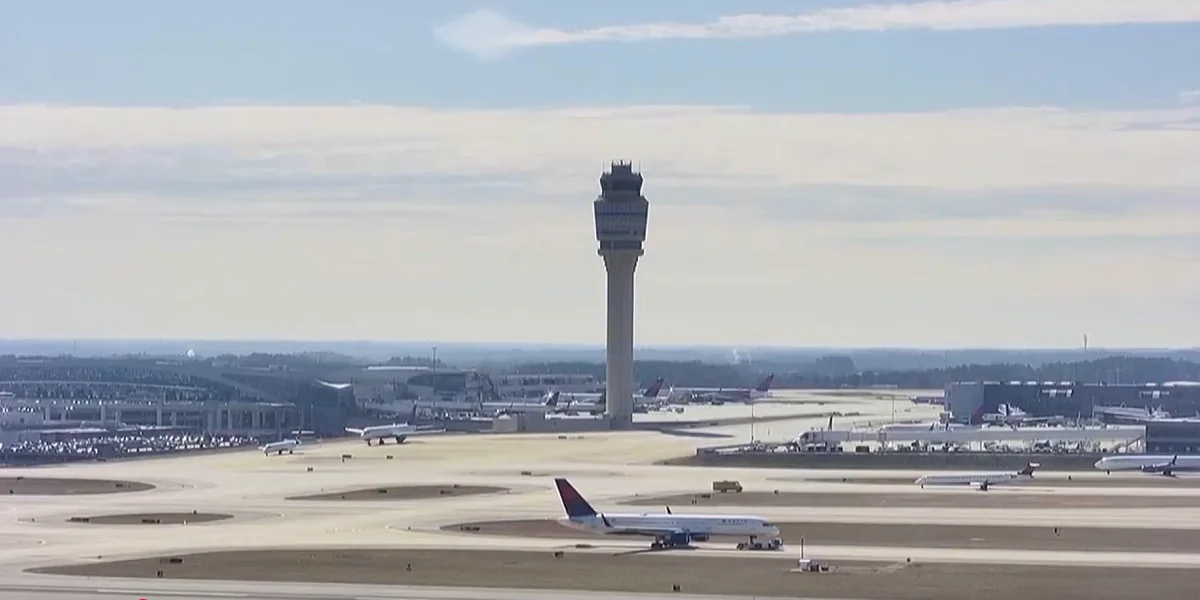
[726, 486]
[757, 544]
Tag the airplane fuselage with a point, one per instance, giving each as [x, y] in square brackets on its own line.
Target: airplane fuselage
[969, 479]
[280, 447]
[382, 432]
[704, 525]
[1135, 462]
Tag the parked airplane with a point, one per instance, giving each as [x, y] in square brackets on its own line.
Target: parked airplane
[723, 395]
[927, 400]
[668, 530]
[549, 403]
[1128, 414]
[1011, 415]
[979, 480]
[1125, 414]
[280, 447]
[594, 403]
[1160, 464]
[399, 431]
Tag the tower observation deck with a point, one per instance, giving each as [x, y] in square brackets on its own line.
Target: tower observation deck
[620, 213]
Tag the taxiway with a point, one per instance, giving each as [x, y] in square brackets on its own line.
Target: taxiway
[608, 468]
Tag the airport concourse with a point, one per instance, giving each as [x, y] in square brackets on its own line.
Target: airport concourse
[648, 512]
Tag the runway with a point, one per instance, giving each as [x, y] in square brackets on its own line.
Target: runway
[606, 467]
[209, 590]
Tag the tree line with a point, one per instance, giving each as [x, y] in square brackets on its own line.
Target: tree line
[839, 371]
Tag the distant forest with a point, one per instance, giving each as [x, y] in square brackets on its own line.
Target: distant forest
[840, 371]
[794, 372]
[502, 357]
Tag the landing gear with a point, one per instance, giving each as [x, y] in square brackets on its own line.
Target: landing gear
[756, 544]
[675, 540]
[399, 439]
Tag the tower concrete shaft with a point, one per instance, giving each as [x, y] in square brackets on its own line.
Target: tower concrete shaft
[621, 213]
[619, 386]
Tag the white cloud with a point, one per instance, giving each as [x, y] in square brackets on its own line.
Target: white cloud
[490, 34]
[1190, 96]
[561, 151]
[378, 222]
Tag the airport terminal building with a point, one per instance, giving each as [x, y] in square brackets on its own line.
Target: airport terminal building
[189, 395]
[967, 402]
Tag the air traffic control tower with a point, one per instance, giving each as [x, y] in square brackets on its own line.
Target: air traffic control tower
[621, 213]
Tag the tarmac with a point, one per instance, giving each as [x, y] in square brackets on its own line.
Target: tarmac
[608, 468]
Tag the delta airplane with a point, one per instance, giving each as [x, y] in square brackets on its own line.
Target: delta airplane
[549, 403]
[668, 530]
[1160, 464]
[594, 403]
[399, 431]
[280, 447]
[722, 395]
[982, 481]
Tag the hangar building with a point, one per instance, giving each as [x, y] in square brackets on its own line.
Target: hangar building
[969, 401]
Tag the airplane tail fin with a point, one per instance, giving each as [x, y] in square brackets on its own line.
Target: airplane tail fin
[552, 398]
[572, 500]
[1029, 469]
[765, 386]
[656, 387]
[977, 416]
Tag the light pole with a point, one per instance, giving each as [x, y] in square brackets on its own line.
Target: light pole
[752, 420]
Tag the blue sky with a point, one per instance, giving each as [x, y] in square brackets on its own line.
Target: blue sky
[318, 51]
[862, 174]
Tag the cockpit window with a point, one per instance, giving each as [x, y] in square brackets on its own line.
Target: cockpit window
[767, 525]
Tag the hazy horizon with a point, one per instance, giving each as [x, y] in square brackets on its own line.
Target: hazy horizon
[442, 344]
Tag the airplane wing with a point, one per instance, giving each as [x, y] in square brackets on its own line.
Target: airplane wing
[1159, 467]
[647, 532]
[638, 530]
[354, 431]
[421, 432]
